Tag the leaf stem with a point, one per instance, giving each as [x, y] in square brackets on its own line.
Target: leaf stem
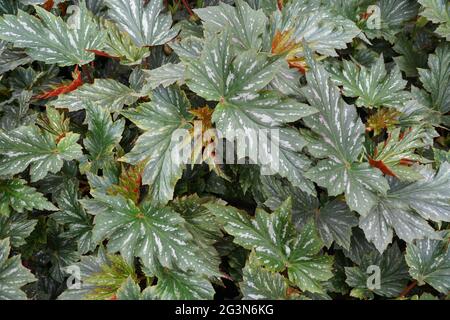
[188, 8]
[408, 289]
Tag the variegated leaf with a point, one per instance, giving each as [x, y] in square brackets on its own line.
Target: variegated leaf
[393, 274]
[145, 23]
[148, 232]
[436, 79]
[438, 11]
[52, 40]
[318, 28]
[120, 45]
[429, 263]
[12, 274]
[178, 285]
[261, 284]
[17, 228]
[373, 87]
[103, 136]
[16, 195]
[333, 219]
[160, 119]
[406, 207]
[28, 146]
[72, 215]
[245, 24]
[166, 75]
[107, 93]
[276, 245]
[341, 133]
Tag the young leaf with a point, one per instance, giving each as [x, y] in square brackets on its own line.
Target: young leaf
[130, 290]
[102, 278]
[119, 44]
[103, 136]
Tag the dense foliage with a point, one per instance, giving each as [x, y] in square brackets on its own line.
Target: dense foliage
[93, 204]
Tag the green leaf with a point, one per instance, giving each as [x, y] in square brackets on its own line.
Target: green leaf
[101, 277]
[103, 136]
[166, 75]
[178, 285]
[245, 24]
[438, 11]
[373, 87]
[402, 146]
[16, 195]
[72, 215]
[188, 48]
[145, 23]
[107, 93]
[11, 59]
[28, 146]
[130, 290]
[119, 44]
[151, 233]
[393, 15]
[342, 136]
[242, 110]
[160, 118]
[410, 58]
[201, 223]
[333, 219]
[261, 284]
[429, 262]
[276, 246]
[268, 234]
[314, 26]
[219, 73]
[52, 40]
[393, 274]
[12, 274]
[16, 227]
[306, 267]
[407, 206]
[436, 79]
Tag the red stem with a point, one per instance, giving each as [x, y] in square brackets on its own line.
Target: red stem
[188, 8]
[280, 4]
[408, 289]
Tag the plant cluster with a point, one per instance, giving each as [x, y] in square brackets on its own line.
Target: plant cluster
[94, 204]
